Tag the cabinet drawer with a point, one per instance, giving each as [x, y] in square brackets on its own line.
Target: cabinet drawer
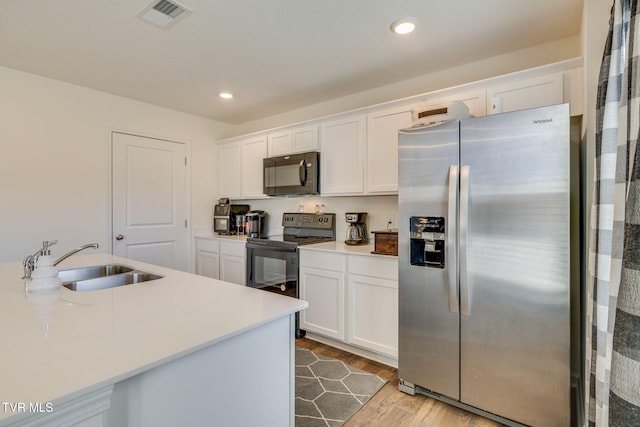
[209, 245]
[322, 260]
[373, 266]
[233, 248]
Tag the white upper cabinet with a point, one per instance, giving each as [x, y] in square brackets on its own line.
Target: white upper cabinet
[229, 161]
[475, 100]
[382, 148]
[305, 138]
[279, 143]
[359, 149]
[294, 140]
[254, 150]
[240, 166]
[342, 158]
[528, 93]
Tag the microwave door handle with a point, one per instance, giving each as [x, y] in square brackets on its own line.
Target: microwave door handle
[302, 172]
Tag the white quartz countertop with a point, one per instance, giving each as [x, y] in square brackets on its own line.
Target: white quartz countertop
[341, 247]
[56, 346]
[211, 235]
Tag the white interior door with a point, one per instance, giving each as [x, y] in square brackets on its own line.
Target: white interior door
[149, 200]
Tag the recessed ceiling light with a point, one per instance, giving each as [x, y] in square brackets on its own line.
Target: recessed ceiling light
[403, 26]
[226, 95]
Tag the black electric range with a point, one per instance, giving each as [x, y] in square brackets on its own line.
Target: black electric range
[301, 229]
[273, 262]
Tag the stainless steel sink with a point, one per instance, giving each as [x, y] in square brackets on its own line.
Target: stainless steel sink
[84, 273]
[103, 277]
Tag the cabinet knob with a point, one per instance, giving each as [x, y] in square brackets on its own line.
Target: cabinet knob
[119, 237]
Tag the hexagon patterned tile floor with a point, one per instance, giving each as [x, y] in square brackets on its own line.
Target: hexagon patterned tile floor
[329, 391]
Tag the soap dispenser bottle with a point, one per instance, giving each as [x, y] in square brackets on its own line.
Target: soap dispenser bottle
[45, 276]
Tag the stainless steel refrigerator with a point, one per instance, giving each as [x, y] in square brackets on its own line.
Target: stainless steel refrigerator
[485, 264]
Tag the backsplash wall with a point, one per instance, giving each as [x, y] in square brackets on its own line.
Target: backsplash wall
[379, 210]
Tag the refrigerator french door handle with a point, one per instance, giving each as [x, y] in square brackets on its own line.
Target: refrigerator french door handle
[451, 239]
[465, 308]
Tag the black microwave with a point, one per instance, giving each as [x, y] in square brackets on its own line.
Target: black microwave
[292, 175]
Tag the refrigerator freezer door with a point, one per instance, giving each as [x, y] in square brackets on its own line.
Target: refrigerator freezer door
[428, 312]
[514, 349]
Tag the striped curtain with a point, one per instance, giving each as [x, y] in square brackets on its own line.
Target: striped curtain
[613, 311]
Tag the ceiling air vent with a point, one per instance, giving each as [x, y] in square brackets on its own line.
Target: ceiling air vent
[163, 13]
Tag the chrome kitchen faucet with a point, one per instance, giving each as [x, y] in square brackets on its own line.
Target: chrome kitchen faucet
[29, 263]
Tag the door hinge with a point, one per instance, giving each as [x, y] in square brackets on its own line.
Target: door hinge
[185, 161]
[185, 223]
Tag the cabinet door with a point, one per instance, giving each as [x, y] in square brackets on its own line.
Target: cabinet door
[229, 164]
[476, 101]
[279, 143]
[382, 148]
[523, 94]
[208, 264]
[373, 314]
[232, 269]
[305, 139]
[253, 152]
[342, 159]
[324, 290]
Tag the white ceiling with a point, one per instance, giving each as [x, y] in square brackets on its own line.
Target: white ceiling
[274, 55]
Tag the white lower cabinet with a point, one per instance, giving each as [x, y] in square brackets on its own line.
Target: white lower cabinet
[373, 314]
[322, 285]
[352, 299]
[221, 259]
[208, 258]
[208, 264]
[372, 306]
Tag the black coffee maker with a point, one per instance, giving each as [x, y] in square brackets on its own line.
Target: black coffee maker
[357, 233]
[224, 216]
[256, 224]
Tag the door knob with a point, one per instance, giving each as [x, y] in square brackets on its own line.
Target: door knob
[119, 237]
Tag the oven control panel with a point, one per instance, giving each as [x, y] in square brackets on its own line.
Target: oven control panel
[309, 220]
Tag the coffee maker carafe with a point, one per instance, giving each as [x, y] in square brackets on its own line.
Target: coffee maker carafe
[357, 229]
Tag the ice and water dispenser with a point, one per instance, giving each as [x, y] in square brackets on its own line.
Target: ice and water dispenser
[427, 241]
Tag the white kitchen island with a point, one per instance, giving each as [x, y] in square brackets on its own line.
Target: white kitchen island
[182, 350]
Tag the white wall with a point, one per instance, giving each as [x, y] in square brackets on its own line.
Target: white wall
[55, 161]
[595, 26]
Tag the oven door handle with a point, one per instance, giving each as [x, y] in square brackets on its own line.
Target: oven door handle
[270, 246]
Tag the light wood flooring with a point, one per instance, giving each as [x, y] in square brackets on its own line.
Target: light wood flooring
[390, 406]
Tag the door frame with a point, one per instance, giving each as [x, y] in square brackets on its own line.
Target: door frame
[108, 247]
